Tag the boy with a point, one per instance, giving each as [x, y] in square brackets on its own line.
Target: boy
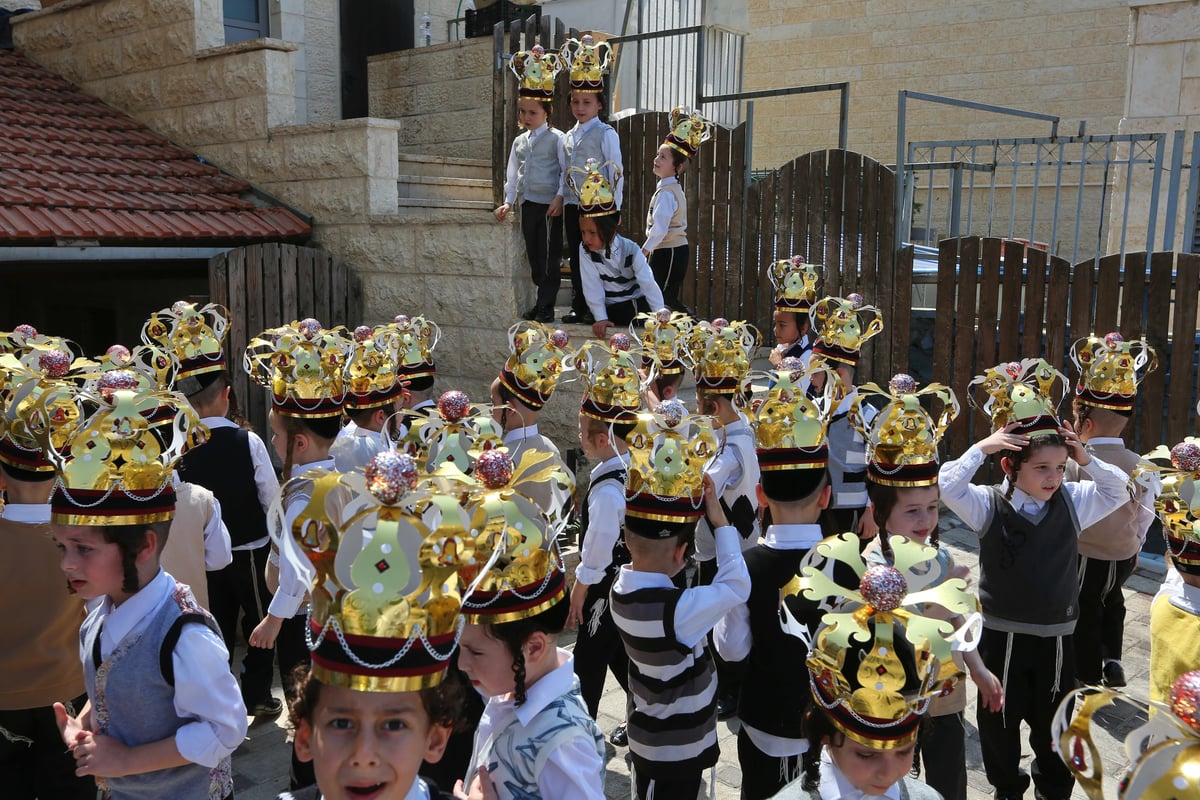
[375, 391]
[842, 327]
[235, 467]
[794, 486]
[673, 717]
[157, 725]
[795, 283]
[1104, 397]
[663, 345]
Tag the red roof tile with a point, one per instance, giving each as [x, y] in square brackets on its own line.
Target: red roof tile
[72, 167]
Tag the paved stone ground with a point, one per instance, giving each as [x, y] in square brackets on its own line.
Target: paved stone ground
[261, 765]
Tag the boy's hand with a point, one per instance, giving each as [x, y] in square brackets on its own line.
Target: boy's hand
[991, 691]
[1003, 439]
[265, 632]
[502, 212]
[712, 505]
[600, 328]
[482, 787]
[775, 356]
[71, 728]
[1075, 448]
[575, 615]
[867, 529]
[100, 755]
[555, 209]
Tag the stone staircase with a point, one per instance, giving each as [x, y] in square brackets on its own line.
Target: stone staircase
[428, 181]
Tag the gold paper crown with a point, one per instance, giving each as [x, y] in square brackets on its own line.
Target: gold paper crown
[1110, 370]
[668, 451]
[843, 325]
[612, 382]
[1176, 499]
[457, 432]
[873, 687]
[1163, 752]
[35, 405]
[689, 130]
[153, 369]
[721, 353]
[596, 197]
[1020, 391]
[538, 359]
[418, 338]
[536, 70]
[789, 425]
[195, 337]
[795, 283]
[303, 365]
[588, 61]
[664, 334]
[384, 615]
[903, 438]
[113, 467]
[26, 344]
[371, 379]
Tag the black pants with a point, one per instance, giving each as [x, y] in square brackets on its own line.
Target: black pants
[1033, 689]
[293, 652]
[1101, 625]
[34, 763]
[598, 646]
[671, 789]
[670, 268]
[621, 314]
[543, 245]
[240, 589]
[574, 240]
[763, 775]
[943, 746]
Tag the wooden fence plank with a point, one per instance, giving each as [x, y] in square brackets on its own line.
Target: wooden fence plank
[1152, 392]
[789, 184]
[1057, 289]
[305, 307]
[746, 280]
[321, 268]
[902, 315]
[989, 285]
[288, 276]
[1133, 295]
[272, 302]
[1035, 296]
[338, 312]
[943, 335]
[255, 321]
[1011, 300]
[1083, 280]
[834, 247]
[815, 192]
[964, 326]
[1108, 289]
[1183, 348]
[766, 220]
[239, 336]
[886, 247]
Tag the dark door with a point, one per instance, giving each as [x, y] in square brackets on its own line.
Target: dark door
[368, 28]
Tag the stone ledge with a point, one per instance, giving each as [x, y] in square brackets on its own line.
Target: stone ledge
[246, 47]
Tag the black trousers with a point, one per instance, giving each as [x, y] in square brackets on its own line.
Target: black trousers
[574, 240]
[293, 652]
[598, 646]
[1101, 626]
[543, 245]
[1037, 672]
[240, 590]
[672, 789]
[943, 746]
[763, 775]
[669, 266]
[621, 314]
[34, 763]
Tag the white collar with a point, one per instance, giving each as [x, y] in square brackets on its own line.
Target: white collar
[1020, 499]
[630, 580]
[582, 127]
[844, 406]
[667, 181]
[300, 469]
[1185, 597]
[27, 513]
[218, 422]
[423, 404]
[120, 620]
[834, 786]
[517, 434]
[538, 131]
[795, 536]
[544, 691]
[608, 465]
[1100, 441]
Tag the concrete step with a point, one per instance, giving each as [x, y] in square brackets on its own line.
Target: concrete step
[433, 202]
[438, 188]
[445, 167]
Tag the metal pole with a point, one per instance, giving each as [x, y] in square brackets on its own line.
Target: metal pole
[1189, 225]
[956, 176]
[1155, 185]
[699, 70]
[844, 118]
[902, 234]
[1168, 241]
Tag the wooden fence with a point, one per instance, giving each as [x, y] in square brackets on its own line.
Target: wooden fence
[998, 301]
[266, 285]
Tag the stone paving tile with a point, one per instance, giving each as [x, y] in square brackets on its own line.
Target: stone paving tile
[261, 765]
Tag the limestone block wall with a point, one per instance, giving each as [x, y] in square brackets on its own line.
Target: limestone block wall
[442, 96]
[313, 26]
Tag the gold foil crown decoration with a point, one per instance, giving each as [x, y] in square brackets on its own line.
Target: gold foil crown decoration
[668, 451]
[597, 196]
[452, 437]
[790, 425]
[795, 283]
[536, 70]
[114, 465]
[877, 660]
[418, 338]
[1172, 478]
[303, 365]
[689, 130]
[1110, 370]
[843, 326]
[903, 438]
[383, 548]
[612, 378]
[588, 61]
[1163, 753]
[194, 336]
[1027, 392]
[721, 352]
[664, 336]
[538, 359]
[371, 378]
[36, 403]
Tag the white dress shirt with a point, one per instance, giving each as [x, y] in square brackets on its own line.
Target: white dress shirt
[354, 450]
[593, 284]
[606, 516]
[295, 571]
[205, 690]
[610, 148]
[835, 786]
[665, 207]
[27, 513]
[265, 483]
[513, 170]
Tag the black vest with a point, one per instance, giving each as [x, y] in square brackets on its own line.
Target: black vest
[620, 555]
[224, 467]
[1028, 571]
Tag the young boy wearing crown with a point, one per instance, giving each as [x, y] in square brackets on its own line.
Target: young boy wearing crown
[795, 283]
[165, 713]
[664, 337]
[794, 488]
[43, 617]
[375, 391]
[673, 715]
[1109, 372]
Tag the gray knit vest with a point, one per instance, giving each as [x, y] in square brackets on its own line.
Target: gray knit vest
[579, 149]
[538, 173]
[133, 703]
[847, 464]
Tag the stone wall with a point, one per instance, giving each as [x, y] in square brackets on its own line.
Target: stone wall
[313, 26]
[441, 94]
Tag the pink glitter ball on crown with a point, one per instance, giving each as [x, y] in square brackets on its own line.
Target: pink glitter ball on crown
[117, 379]
[362, 333]
[390, 476]
[587, 39]
[179, 307]
[26, 331]
[672, 411]
[620, 341]
[663, 315]
[1186, 456]
[402, 321]
[1013, 369]
[798, 261]
[883, 587]
[902, 384]
[494, 468]
[1113, 339]
[559, 338]
[792, 364]
[720, 322]
[54, 363]
[855, 300]
[118, 354]
[538, 51]
[309, 328]
[1184, 699]
[453, 405]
